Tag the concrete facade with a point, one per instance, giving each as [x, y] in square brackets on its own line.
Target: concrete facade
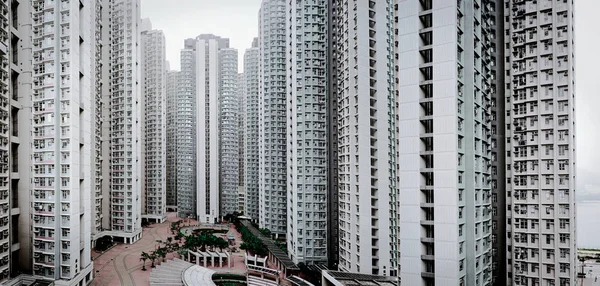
[171, 121]
[272, 118]
[444, 136]
[540, 143]
[228, 138]
[307, 127]
[250, 105]
[125, 121]
[366, 128]
[207, 149]
[154, 94]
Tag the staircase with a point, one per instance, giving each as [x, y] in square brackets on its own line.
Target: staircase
[169, 273]
[258, 281]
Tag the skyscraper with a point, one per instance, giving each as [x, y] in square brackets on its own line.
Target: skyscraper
[498, 177]
[272, 118]
[250, 129]
[241, 119]
[154, 124]
[228, 139]
[307, 127]
[540, 142]
[171, 115]
[208, 61]
[366, 126]
[125, 121]
[185, 151]
[444, 134]
[60, 156]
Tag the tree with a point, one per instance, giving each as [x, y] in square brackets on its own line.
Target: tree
[162, 252]
[179, 236]
[145, 256]
[152, 256]
[183, 253]
[221, 243]
[266, 232]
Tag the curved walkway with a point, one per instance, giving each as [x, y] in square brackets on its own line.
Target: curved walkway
[197, 275]
[121, 265]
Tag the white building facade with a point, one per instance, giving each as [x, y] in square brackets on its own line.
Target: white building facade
[228, 105]
[125, 121]
[444, 142]
[540, 143]
[307, 140]
[272, 118]
[172, 81]
[207, 130]
[250, 129]
[366, 137]
[184, 149]
[63, 54]
[154, 110]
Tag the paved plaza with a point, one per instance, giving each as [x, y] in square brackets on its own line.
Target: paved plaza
[121, 265]
[592, 269]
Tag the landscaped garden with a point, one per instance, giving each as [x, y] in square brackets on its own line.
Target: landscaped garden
[180, 243]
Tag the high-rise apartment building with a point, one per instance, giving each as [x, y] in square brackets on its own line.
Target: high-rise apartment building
[445, 105]
[540, 142]
[250, 130]
[154, 124]
[498, 177]
[307, 130]
[272, 118]
[172, 110]
[59, 138]
[184, 149]
[125, 121]
[207, 85]
[241, 118]
[366, 128]
[228, 105]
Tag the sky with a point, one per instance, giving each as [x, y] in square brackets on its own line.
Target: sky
[182, 19]
[238, 20]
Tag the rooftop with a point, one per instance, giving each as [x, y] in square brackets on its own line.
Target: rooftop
[297, 281]
[358, 279]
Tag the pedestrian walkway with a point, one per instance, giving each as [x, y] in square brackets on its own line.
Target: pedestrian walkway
[169, 273]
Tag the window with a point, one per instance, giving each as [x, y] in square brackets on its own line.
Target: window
[563, 223]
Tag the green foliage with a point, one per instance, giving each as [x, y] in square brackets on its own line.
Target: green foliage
[152, 256]
[251, 243]
[145, 256]
[281, 246]
[226, 279]
[265, 231]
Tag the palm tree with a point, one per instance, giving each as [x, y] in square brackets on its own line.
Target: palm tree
[143, 258]
[153, 258]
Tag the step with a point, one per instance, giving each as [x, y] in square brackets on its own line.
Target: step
[160, 280]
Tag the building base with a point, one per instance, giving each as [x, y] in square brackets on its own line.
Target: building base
[84, 277]
[119, 236]
[155, 218]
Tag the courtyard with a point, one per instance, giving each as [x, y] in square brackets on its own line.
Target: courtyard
[121, 265]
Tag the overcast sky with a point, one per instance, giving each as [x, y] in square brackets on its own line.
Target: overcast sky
[182, 19]
[238, 20]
